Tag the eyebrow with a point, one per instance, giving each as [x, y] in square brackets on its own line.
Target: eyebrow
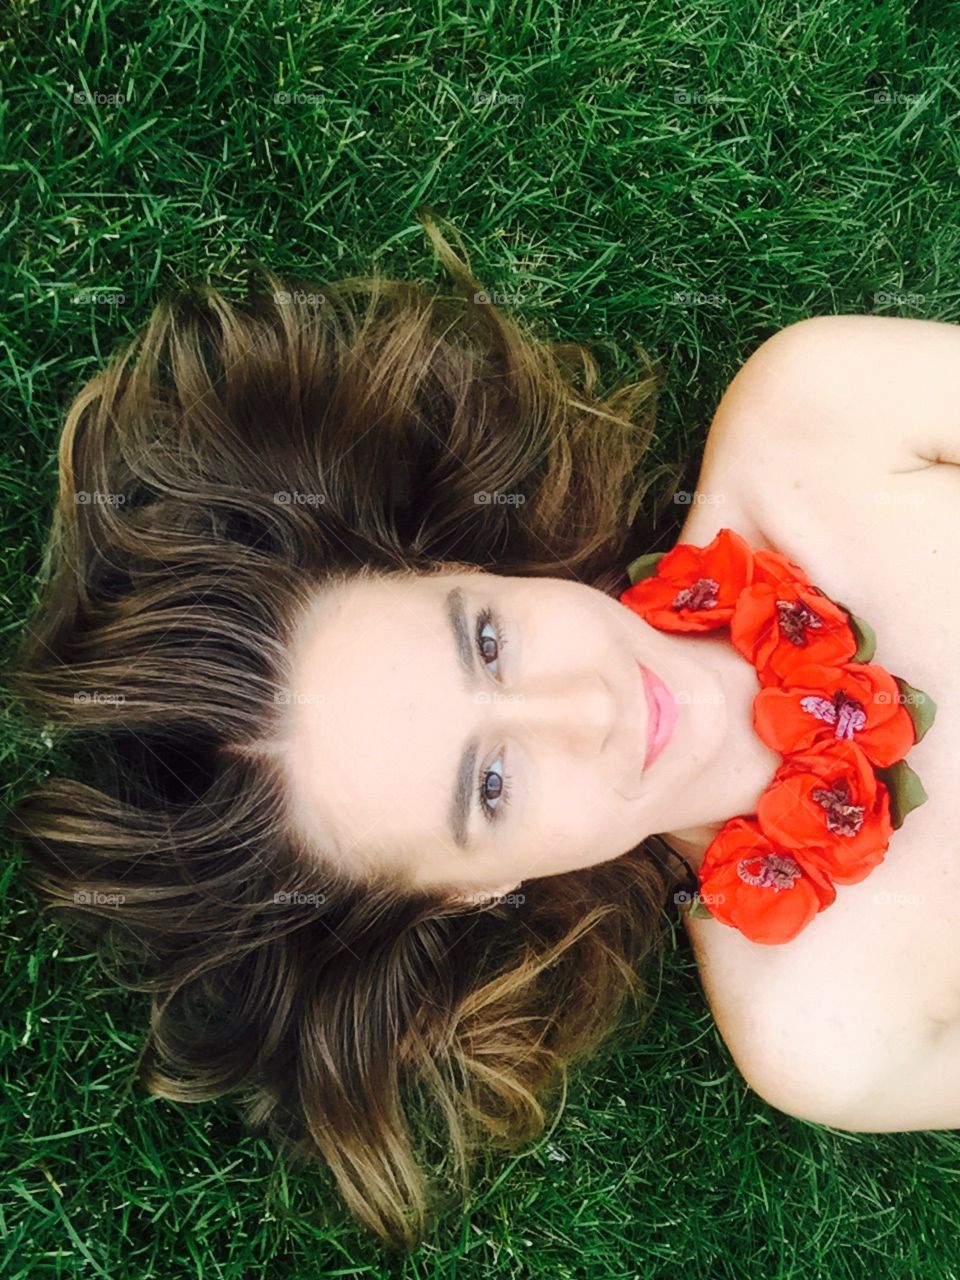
[458, 815]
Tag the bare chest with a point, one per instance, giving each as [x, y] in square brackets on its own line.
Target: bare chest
[889, 550]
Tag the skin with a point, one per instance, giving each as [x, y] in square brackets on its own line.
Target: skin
[381, 714]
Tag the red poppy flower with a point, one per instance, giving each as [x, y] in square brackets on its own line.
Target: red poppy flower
[694, 588]
[819, 704]
[774, 569]
[779, 627]
[769, 894]
[830, 800]
[826, 816]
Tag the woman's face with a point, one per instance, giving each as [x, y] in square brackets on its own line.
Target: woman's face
[481, 730]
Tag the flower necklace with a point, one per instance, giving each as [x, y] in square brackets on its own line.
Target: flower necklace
[841, 723]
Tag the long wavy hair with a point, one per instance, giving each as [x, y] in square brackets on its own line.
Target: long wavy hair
[331, 1001]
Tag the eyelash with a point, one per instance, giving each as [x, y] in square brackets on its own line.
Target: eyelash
[486, 617]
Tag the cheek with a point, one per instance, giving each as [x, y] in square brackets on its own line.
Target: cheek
[577, 808]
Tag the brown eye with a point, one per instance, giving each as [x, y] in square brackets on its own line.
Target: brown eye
[490, 640]
[494, 791]
[495, 778]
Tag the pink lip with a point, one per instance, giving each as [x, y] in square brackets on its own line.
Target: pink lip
[661, 714]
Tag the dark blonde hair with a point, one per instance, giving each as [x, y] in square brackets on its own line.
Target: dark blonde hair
[328, 1000]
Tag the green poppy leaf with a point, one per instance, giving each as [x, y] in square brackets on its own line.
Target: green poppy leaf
[863, 633]
[699, 908]
[919, 706]
[644, 566]
[905, 788]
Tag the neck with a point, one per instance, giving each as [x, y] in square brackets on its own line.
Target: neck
[737, 766]
[691, 844]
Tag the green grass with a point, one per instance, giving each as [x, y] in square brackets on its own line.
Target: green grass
[690, 177]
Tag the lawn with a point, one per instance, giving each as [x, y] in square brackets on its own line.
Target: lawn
[687, 178]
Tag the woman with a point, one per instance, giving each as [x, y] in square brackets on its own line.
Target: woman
[331, 600]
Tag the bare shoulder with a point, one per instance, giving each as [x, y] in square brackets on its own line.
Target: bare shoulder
[811, 1051]
[806, 1068]
[830, 386]
[920, 1090]
[851, 1025]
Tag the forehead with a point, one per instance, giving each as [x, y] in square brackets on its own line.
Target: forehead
[376, 718]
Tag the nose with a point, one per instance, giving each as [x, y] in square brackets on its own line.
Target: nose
[577, 709]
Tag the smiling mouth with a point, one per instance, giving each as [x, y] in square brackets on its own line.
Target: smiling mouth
[661, 714]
